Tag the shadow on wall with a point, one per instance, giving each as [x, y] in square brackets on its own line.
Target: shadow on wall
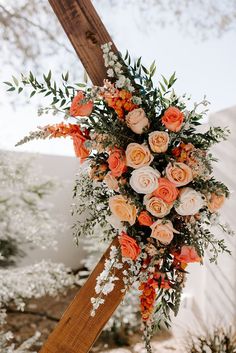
[63, 170]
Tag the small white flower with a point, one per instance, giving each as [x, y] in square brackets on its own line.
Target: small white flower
[110, 73]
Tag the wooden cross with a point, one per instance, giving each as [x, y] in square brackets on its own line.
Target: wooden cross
[77, 330]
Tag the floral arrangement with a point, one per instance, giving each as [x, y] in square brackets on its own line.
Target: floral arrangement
[149, 178]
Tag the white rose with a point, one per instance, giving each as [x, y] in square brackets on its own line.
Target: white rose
[144, 180]
[190, 202]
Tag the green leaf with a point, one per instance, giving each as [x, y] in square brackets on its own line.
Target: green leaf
[49, 76]
[15, 80]
[144, 69]
[80, 84]
[162, 87]
[67, 76]
[11, 89]
[165, 80]
[31, 76]
[153, 65]
[63, 102]
[32, 93]
[85, 77]
[139, 61]
[20, 89]
[8, 83]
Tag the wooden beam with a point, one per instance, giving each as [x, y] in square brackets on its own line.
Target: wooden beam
[86, 32]
[77, 330]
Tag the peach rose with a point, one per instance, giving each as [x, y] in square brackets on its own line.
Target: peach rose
[129, 246]
[215, 202]
[78, 108]
[158, 141]
[111, 182]
[163, 231]
[138, 156]
[122, 209]
[188, 254]
[156, 206]
[144, 180]
[179, 174]
[117, 162]
[145, 219]
[166, 191]
[190, 202]
[173, 119]
[137, 121]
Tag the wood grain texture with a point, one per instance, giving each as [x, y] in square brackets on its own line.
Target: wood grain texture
[77, 330]
[86, 32]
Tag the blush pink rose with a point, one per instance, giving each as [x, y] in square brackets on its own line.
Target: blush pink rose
[163, 231]
[137, 121]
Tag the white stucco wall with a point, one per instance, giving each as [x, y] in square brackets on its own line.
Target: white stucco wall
[63, 169]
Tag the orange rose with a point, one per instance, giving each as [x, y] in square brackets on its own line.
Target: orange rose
[166, 190]
[145, 219]
[78, 108]
[80, 150]
[188, 254]
[129, 246]
[179, 174]
[117, 162]
[215, 202]
[122, 209]
[173, 119]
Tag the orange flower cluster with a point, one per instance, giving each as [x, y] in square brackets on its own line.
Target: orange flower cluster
[182, 151]
[120, 101]
[63, 130]
[73, 130]
[148, 296]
